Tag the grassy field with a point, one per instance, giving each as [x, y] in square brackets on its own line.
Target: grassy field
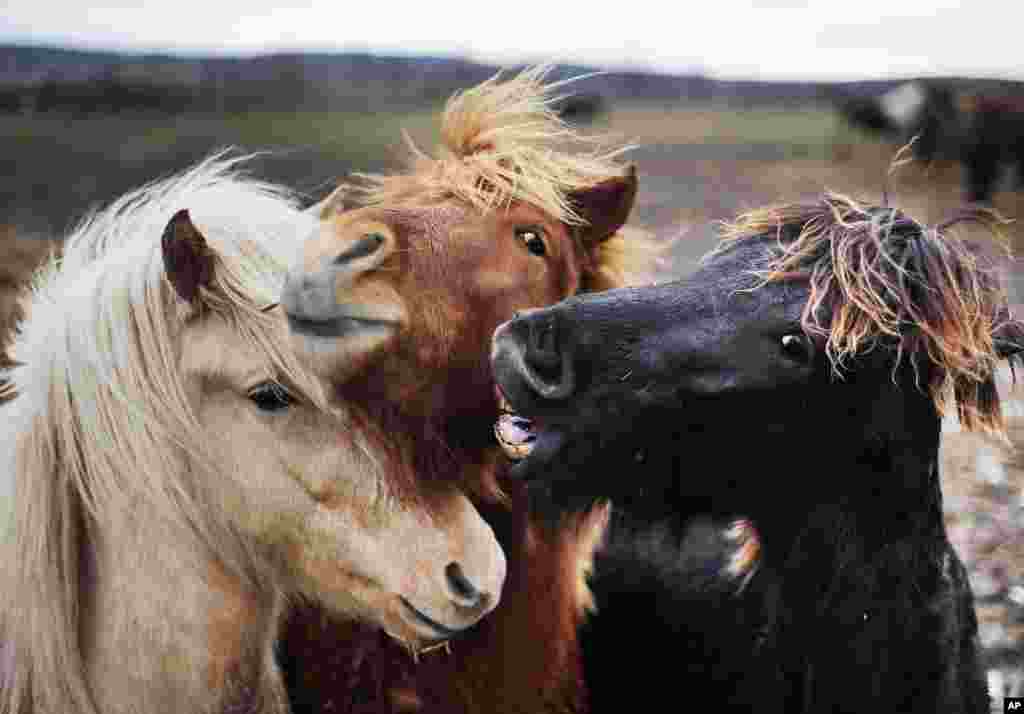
[53, 169]
[698, 163]
[798, 131]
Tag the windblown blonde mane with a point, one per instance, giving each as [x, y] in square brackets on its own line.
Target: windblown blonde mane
[102, 420]
[503, 142]
[877, 276]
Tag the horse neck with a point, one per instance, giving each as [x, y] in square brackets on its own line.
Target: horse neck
[875, 508]
[878, 493]
[867, 578]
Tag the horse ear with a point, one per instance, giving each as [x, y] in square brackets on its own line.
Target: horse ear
[330, 206]
[188, 260]
[605, 206]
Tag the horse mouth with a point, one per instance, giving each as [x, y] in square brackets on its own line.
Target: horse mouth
[341, 325]
[528, 442]
[437, 632]
[516, 434]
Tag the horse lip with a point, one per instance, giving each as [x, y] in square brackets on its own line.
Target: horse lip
[422, 619]
[337, 325]
[546, 447]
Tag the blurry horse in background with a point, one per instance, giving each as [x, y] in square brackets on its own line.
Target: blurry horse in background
[797, 380]
[175, 473]
[395, 300]
[983, 128]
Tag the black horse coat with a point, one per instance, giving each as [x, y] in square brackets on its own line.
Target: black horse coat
[721, 396]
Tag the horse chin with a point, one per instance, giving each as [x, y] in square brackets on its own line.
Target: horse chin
[339, 327]
[413, 626]
[417, 630]
[428, 629]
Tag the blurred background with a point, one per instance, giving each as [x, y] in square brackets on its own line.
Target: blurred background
[731, 106]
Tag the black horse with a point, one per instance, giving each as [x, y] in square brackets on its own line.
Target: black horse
[797, 380]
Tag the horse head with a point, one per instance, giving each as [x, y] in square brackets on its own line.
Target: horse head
[836, 328]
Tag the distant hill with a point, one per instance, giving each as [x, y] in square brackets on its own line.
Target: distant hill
[52, 79]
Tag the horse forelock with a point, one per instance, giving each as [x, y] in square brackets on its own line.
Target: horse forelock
[502, 142]
[876, 276]
[102, 419]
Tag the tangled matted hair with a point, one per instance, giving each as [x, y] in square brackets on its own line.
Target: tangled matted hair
[879, 277]
[502, 142]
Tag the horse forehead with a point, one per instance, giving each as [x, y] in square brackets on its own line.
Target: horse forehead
[740, 257]
[434, 223]
[732, 280]
[212, 347]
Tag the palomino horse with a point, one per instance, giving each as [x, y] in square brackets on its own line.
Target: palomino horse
[175, 473]
[396, 301]
[798, 378]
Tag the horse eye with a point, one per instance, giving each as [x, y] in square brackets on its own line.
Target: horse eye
[797, 347]
[270, 397]
[533, 240]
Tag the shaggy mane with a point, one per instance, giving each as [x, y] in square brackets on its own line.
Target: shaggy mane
[102, 417]
[879, 278]
[502, 142]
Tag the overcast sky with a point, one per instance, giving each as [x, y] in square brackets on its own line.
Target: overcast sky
[784, 39]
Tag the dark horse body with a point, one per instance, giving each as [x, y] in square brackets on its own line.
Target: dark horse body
[983, 129]
[805, 399]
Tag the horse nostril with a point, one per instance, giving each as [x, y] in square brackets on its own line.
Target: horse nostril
[546, 355]
[542, 351]
[463, 589]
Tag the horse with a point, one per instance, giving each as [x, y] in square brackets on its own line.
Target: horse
[994, 137]
[794, 384]
[982, 129]
[395, 301]
[176, 475]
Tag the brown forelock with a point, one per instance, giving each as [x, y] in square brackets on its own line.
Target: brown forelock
[877, 276]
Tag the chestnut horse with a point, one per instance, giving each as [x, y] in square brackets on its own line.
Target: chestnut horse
[174, 473]
[396, 300]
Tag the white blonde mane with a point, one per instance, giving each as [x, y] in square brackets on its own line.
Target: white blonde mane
[102, 420]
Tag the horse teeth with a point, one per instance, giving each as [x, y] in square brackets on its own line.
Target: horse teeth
[524, 424]
[515, 436]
